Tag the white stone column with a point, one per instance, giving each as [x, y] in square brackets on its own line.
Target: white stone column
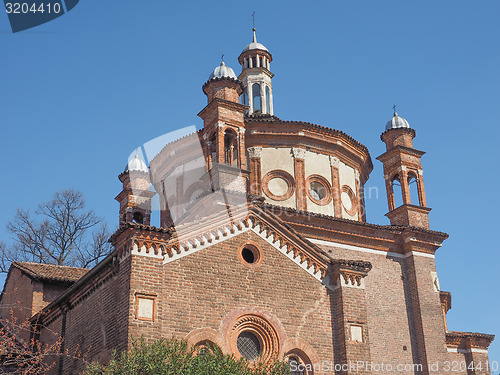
[263, 98]
[271, 100]
[250, 97]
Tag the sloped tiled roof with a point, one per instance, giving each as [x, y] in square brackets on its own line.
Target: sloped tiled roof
[51, 272]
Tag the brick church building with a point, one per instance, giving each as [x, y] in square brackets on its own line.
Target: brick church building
[263, 248]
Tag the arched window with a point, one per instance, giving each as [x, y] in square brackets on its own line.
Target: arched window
[268, 101]
[213, 148]
[299, 363]
[296, 366]
[413, 186]
[230, 148]
[138, 218]
[256, 98]
[396, 191]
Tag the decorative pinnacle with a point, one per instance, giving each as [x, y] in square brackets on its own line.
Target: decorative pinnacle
[253, 29]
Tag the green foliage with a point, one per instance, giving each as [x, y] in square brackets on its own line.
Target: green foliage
[175, 357]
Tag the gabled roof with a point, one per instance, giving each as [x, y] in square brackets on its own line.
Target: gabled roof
[204, 232]
[51, 272]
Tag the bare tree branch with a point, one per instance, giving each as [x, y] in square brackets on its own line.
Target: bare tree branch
[58, 233]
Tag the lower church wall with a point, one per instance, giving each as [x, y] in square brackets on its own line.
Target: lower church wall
[202, 295]
[96, 325]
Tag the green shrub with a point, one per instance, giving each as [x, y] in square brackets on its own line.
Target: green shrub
[175, 357]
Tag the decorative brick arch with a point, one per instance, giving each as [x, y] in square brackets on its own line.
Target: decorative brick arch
[203, 335]
[265, 326]
[301, 348]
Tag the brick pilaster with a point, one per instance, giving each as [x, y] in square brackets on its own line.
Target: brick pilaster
[352, 349]
[300, 177]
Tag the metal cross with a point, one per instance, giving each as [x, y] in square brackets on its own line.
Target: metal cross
[394, 107]
[222, 57]
[253, 18]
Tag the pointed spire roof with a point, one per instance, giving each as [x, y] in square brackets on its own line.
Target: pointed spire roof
[254, 44]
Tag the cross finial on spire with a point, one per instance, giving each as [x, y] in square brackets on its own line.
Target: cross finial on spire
[222, 58]
[394, 108]
[253, 19]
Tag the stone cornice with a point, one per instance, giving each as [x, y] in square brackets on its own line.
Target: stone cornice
[253, 52]
[468, 340]
[232, 81]
[357, 233]
[349, 273]
[400, 149]
[445, 298]
[218, 102]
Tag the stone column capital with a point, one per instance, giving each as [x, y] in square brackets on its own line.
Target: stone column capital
[254, 152]
[298, 153]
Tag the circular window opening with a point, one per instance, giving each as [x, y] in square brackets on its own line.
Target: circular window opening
[248, 255]
[248, 345]
[278, 186]
[318, 191]
[346, 201]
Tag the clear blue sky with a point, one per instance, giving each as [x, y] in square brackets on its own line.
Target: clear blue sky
[81, 92]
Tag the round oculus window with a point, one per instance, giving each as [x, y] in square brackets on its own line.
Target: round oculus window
[248, 345]
[346, 201]
[317, 190]
[248, 255]
[278, 186]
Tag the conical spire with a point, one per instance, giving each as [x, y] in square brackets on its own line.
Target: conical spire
[254, 36]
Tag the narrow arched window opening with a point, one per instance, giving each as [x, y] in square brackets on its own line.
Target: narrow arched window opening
[397, 192]
[213, 148]
[138, 218]
[413, 186]
[230, 148]
[268, 101]
[257, 105]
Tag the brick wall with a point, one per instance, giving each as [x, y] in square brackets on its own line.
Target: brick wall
[202, 289]
[96, 322]
[17, 299]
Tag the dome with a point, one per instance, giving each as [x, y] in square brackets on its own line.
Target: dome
[136, 164]
[222, 71]
[397, 122]
[254, 45]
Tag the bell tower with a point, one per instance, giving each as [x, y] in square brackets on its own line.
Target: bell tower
[402, 169]
[135, 197]
[256, 77]
[224, 130]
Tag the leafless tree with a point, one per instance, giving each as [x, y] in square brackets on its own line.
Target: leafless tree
[61, 231]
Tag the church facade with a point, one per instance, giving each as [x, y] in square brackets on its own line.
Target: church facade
[263, 248]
